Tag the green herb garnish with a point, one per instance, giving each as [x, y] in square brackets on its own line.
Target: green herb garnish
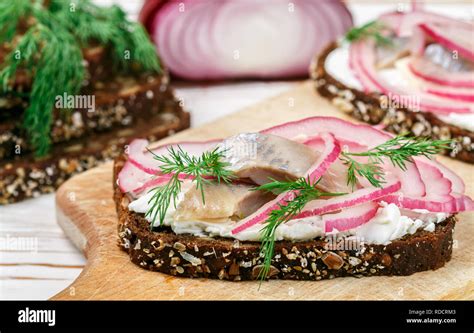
[398, 150]
[371, 29]
[203, 170]
[305, 191]
[51, 35]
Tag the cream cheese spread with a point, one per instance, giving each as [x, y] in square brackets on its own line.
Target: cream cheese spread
[388, 224]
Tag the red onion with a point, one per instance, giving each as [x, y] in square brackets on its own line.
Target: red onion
[452, 37]
[350, 218]
[433, 73]
[329, 155]
[212, 40]
[363, 195]
[364, 53]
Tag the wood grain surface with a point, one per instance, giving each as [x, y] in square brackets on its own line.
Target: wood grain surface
[86, 212]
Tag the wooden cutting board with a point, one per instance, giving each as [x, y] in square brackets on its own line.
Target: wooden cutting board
[86, 212]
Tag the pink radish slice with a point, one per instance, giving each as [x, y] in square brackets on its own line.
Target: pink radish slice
[131, 177]
[319, 207]
[428, 71]
[327, 157]
[425, 102]
[350, 218]
[452, 37]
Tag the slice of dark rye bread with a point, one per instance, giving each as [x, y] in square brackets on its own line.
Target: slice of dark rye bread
[119, 102]
[368, 108]
[25, 176]
[227, 259]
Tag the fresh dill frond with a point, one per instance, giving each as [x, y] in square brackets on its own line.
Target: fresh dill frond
[41, 51]
[203, 170]
[48, 48]
[371, 171]
[303, 191]
[108, 26]
[372, 29]
[10, 14]
[399, 150]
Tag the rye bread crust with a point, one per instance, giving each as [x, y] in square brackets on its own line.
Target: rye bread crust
[26, 176]
[368, 107]
[226, 259]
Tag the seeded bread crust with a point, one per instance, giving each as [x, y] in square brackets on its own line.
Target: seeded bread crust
[119, 102]
[25, 176]
[368, 108]
[222, 258]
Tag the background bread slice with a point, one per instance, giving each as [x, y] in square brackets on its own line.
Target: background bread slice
[25, 176]
[367, 107]
[119, 102]
[227, 259]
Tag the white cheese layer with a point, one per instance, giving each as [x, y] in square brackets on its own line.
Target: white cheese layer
[388, 224]
[337, 65]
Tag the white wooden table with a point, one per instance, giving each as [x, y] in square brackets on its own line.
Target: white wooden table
[36, 258]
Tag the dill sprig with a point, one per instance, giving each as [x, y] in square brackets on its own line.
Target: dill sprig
[108, 26]
[371, 29]
[41, 53]
[48, 48]
[304, 191]
[203, 170]
[399, 150]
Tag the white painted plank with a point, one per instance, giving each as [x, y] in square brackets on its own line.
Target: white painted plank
[31, 289]
[34, 272]
[59, 258]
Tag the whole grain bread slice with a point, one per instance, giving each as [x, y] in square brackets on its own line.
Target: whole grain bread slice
[368, 107]
[118, 102]
[26, 176]
[226, 259]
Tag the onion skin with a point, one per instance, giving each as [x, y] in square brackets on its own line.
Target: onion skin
[272, 39]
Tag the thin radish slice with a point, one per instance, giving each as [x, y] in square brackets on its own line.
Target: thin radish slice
[350, 218]
[431, 72]
[452, 37]
[327, 157]
[319, 207]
